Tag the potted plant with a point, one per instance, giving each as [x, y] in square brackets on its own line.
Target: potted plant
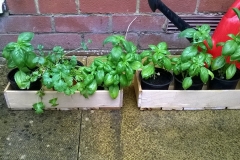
[224, 67]
[57, 72]
[156, 66]
[113, 71]
[19, 56]
[191, 68]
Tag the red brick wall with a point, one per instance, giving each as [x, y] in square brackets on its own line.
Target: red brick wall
[69, 22]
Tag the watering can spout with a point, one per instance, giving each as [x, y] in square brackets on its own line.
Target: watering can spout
[153, 4]
[173, 17]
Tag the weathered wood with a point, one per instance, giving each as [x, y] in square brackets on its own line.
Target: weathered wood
[186, 99]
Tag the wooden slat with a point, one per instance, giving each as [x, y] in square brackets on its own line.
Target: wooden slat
[25, 99]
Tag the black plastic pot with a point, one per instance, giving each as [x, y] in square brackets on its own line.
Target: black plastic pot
[161, 82]
[218, 83]
[33, 86]
[197, 83]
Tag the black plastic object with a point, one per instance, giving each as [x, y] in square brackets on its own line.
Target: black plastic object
[218, 83]
[173, 17]
[197, 83]
[33, 86]
[161, 82]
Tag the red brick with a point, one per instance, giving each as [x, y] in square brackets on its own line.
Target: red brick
[97, 40]
[212, 6]
[57, 6]
[6, 38]
[171, 39]
[181, 6]
[21, 7]
[142, 23]
[108, 6]
[94, 24]
[67, 41]
[25, 23]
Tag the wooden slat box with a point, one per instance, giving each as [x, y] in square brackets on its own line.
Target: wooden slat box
[186, 99]
[21, 100]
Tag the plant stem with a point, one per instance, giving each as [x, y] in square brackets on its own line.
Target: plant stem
[129, 26]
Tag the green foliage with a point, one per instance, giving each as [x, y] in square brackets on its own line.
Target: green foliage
[194, 60]
[157, 56]
[20, 55]
[231, 52]
[113, 71]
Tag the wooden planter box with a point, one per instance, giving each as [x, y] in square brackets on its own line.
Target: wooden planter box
[186, 99]
[22, 100]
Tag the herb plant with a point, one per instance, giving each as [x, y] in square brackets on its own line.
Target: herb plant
[112, 71]
[226, 63]
[158, 56]
[194, 59]
[20, 55]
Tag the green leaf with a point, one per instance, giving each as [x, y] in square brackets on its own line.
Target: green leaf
[92, 87]
[99, 76]
[176, 70]
[53, 102]
[218, 63]
[231, 70]
[21, 80]
[209, 41]
[116, 53]
[193, 70]
[136, 65]
[108, 79]
[11, 64]
[153, 47]
[38, 107]
[123, 80]
[188, 33]
[145, 54]
[162, 46]
[188, 53]
[128, 46]
[40, 93]
[113, 91]
[18, 57]
[229, 48]
[29, 62]
[232, 36]
[147, 71]
[236, 55]
[6, 53]
[204, 74]
[187, 82]
[167, 64]
[129, 73]
[186, 65]
[60, 85]
[236, 10]
[120, 67]
[116, 79]
[111, 39]
[25, 37]
[211, 74]
[88, 79]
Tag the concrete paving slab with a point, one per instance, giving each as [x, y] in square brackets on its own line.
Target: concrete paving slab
[167, 135]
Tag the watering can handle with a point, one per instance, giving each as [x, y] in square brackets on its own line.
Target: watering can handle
[173, 17]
